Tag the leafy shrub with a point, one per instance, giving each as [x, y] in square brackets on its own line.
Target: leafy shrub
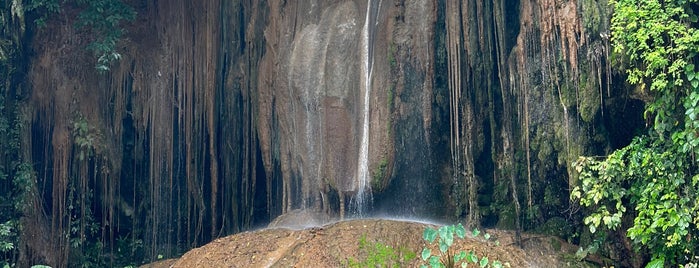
[446, 257]
[651, 179]
[656, 175]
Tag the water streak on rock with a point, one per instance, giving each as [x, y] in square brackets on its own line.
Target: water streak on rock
[364, 188]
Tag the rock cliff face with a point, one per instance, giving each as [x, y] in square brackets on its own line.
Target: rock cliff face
[170, 131]
[222, 115]
[312, 94]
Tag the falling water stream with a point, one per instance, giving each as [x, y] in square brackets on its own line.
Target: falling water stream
[363, 197]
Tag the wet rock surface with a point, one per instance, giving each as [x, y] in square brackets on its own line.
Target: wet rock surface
[334, 244]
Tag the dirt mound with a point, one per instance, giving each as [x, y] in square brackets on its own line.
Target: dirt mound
[334, 245]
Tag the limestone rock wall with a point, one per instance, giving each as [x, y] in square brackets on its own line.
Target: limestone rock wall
[222, 115]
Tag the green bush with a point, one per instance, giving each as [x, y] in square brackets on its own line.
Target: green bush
[655, 182]
[655, 177]
[447, 257]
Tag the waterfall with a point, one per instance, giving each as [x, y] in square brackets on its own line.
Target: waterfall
[363, 197]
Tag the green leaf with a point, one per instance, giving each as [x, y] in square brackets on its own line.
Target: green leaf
[434, 262]
[497, 264]
[426, 253]
[656, 263]
[429, 235]
[472, 257]
[6, 246]
[695, 83]
[581, 253]
[484, 261]
[460, 231]
[475, 232]
[460, 256]
[443, 247]
[449, 239]
[690, 113]
[444, 233]
[486, 236]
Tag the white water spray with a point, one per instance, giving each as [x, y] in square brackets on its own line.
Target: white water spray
[363, 187]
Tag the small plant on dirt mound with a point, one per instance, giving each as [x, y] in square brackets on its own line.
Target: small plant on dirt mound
[380, 255]
[447, 257]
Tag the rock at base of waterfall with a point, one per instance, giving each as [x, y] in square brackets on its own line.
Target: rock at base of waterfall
[300, 219]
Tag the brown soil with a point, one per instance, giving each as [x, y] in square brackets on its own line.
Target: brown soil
[333, 245]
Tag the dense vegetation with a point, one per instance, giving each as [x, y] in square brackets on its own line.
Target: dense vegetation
[649, 188]
[15, 172]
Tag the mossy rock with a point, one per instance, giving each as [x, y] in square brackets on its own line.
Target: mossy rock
[592, 16]
[507, 217]
[379, 175]
[590, 102]
[555, 226]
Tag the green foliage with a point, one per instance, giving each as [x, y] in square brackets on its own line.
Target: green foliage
[44, 8]
[84, 137]
[102, 17]
[380, 255]
[653, 180]
[447, 257]
[657, 263]
[17, 178]
[656, 174]
[9, 239]
[659, 41]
